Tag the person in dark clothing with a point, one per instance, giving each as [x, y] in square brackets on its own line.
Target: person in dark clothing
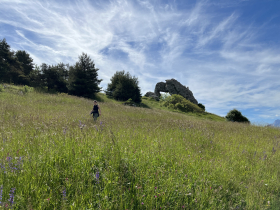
[96, 111]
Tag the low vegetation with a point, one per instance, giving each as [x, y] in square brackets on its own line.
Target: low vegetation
[53, 156]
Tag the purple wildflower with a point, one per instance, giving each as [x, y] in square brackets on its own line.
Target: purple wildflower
[142, 203]
[1, 192]
[64, 194]
[11, 199]
[2, 167]
[97, 177]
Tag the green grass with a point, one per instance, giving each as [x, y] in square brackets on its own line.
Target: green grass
[146, 158]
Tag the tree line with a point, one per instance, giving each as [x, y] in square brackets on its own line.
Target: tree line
[80, 79]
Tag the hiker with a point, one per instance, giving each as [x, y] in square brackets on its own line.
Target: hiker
[96, 111]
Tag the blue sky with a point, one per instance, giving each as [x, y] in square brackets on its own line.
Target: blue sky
[227, 52]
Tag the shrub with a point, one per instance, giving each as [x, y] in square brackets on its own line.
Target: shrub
[129, 102]
[164, 96]
[236, 116]
[201, 106]
[27, 89]
[179, 102]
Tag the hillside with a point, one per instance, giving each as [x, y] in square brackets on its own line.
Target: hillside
[54, 156]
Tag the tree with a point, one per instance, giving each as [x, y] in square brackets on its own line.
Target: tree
[26, 61]
[52, 77]
[11, 69]
[36, 77]
[123, 87]
[4, 65]
[83, 79]
[236, 116]
[201, 106]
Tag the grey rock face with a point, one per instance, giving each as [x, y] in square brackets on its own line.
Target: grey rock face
[153, 95]
[172, 86]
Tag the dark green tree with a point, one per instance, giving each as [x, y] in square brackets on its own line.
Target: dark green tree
[36, 77]
[123, 87]
[201, 106]
[83, 79]
[26, 61]
[236, 116]
[4, 64]
[11, 69]
[52, 78]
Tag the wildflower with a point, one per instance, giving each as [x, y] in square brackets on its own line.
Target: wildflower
[1, 192]
[97, 177]
[64, 194]
[155, 196]
[11, 199]
[268, 202]
[143, 195]
[142, 203]
[155, 188]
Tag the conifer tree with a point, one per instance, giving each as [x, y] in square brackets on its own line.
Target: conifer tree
[83, 79]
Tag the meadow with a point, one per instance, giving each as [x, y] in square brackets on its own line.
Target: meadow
[54, 156]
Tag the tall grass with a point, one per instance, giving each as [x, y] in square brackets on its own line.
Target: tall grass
[53, 156]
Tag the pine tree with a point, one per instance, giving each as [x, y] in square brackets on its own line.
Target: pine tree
[83, 79]
[4, 64]
[11, 70]
[26, 61]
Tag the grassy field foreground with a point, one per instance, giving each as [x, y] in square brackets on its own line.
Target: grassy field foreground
[53, 156]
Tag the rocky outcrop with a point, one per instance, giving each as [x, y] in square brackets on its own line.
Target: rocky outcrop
[153, 95]
[172, 86]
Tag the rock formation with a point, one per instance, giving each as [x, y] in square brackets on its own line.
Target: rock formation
[172, 86]
[153, 95]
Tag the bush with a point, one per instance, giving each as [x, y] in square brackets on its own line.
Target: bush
[164, 96]
[236, 116]
[201, 106]
[27, 89]
[180, 103]
[129, 102]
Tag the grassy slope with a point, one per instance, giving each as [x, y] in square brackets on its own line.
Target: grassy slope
[145, 158]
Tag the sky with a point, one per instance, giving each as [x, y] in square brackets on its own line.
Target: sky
[227, 52]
